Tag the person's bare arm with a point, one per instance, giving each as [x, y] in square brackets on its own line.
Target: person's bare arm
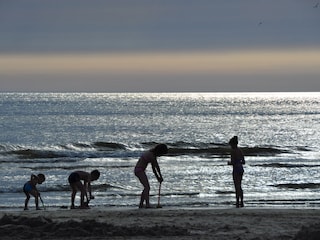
[157, 171]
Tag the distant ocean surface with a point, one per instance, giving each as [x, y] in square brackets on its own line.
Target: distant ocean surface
[57, 133]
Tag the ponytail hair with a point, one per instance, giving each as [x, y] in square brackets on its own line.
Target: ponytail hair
[160, 149]
[233, 141]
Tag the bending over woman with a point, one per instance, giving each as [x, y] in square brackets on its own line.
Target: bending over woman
[139, 170]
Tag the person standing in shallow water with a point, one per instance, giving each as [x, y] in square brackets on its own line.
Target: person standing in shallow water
[139, 170]
[237, 160]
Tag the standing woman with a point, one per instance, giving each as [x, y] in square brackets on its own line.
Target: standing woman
[237, 160]
[139, 170]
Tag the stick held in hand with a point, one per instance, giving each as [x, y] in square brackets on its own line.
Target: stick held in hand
[159, 206]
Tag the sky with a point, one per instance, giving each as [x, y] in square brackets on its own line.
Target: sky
[159, 45]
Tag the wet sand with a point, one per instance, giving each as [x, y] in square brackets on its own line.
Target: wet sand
[164, 223]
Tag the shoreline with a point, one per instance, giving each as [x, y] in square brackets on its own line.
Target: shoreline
[164, 223]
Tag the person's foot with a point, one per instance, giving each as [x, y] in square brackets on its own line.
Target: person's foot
[242, 205]
[72, 207]
[84, 207]
[147, 206]
[37, 208]
[26, 208]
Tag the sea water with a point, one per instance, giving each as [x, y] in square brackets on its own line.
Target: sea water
[58, 133]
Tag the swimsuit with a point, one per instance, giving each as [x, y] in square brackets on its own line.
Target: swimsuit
[237, 167]
[139, 169]
[27, 187]
[74, 177]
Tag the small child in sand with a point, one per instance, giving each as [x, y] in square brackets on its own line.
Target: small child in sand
[76, 184]
[29, 188]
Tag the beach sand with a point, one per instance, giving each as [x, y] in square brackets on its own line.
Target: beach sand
[164, 223]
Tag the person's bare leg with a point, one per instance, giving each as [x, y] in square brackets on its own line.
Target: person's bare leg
[146, 191]
[241, 192]
[26, 201]
[236, 182]
[73, 194]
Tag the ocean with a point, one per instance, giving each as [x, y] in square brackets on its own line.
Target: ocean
[57, 133]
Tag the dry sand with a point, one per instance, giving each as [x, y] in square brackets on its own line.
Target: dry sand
[165, 223]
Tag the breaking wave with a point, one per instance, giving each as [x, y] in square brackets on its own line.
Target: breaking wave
[112, 149]
[298, 185]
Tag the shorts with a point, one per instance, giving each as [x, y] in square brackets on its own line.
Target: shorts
[74, 177]
[27, 187]
[238, 169]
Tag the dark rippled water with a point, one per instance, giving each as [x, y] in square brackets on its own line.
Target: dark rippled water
[57, 133]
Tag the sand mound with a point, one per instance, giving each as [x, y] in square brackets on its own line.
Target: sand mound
[15, 227]
[311, 232]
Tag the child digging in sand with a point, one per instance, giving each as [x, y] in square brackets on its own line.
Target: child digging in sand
[29, 188]
[76, 184]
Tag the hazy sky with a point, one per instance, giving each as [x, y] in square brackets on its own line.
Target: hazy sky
[159, 45]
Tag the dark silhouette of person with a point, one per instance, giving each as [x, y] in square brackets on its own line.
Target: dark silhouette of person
[30, 188]
[75, 179]
[147, 157]
[237, 160]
